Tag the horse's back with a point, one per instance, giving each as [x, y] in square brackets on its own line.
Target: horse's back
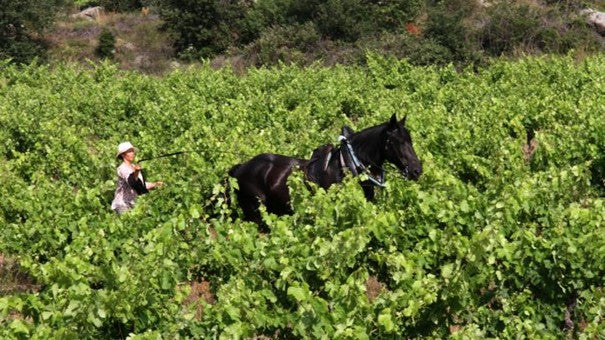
[264, 178]
[263, 162]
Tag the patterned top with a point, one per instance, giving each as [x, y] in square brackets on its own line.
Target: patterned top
[125, 195]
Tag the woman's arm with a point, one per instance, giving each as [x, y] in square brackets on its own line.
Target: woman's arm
[153, 185]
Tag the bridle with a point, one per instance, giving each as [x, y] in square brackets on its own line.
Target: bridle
[350, 161]
[406, 168]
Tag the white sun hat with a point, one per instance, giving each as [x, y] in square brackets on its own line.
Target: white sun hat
[123, 147]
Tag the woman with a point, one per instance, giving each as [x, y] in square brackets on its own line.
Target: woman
[130, 180]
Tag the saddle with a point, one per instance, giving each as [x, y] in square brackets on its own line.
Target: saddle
[317, 167]
[318, 164]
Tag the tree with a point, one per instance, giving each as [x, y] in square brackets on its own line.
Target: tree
[22, 25]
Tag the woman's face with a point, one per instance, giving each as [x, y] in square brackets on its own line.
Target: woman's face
[128, 155]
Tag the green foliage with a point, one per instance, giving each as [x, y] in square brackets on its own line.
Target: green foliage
[341, 19]
[207, 27]
[122, 5]
[107, 44]
[462, 32]
[514, 27]
[389, 15]
[492, 241]
[83, 4]
[511, 25]
[22, 23]
[203, 27]
[290, 44]
[447, 26]
[348, 20]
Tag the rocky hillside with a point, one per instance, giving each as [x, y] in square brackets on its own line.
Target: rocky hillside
[268, 32]
[138, 44]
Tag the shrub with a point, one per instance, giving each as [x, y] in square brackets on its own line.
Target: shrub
[534, 28]
[202, 28]
[121, 5]
[83, 4]
[349, 20]
[261, 16]
[447, 26]
[107, 44]
[510, 25]
[287, 44]
[342, 19]
[390, 15]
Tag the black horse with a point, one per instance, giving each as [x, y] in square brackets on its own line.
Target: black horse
[263, 179]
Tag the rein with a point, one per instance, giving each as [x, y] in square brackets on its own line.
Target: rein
[162, 156]
[191, 151]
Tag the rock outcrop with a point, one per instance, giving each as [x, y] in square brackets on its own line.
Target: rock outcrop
[91, 13]
[596, 19]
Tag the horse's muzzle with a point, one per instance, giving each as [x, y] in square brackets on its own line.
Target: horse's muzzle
[412, 172]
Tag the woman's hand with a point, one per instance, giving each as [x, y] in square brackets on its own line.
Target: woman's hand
[155, 185]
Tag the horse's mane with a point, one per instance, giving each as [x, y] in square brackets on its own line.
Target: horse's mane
[368, 144]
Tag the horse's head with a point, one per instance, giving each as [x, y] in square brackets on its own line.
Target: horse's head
[399, 149]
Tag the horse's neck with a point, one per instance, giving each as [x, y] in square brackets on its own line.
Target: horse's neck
[368, 145]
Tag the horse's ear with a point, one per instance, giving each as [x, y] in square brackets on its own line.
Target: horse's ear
[346, 131]
[402, 121]
[393, 122]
